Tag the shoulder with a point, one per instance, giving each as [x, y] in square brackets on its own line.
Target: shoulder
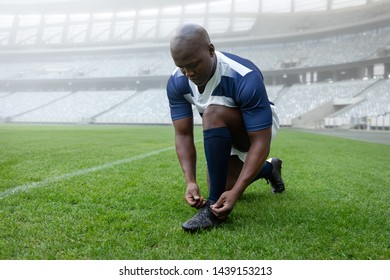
[177, 84]
[242, 66]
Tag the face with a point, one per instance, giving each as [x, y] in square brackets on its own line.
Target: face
[196, 63]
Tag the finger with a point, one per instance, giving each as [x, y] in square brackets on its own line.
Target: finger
[220, 202]
[191, 201]
[219, 213]
[200, 203]
[191, 196]
[196, 204]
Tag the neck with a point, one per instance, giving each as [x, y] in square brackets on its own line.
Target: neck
[202, 88]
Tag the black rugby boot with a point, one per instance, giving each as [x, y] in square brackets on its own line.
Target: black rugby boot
[204, 219]
[275, 179]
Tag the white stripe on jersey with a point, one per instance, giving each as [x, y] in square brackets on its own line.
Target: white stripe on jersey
[228, 65]
[225, 67]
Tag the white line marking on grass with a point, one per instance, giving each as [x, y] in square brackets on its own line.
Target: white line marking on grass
[27, 187]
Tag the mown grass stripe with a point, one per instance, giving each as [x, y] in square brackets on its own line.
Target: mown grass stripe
[29, 186]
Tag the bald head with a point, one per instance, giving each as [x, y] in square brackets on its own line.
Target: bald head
[191, 36]
[193, 53]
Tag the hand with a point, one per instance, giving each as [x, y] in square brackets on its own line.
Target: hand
[224, 205]
[193, 197]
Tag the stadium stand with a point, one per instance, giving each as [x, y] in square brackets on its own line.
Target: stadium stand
[18, 103]
[351, 47]
[2, 94]
[371, 110]
[300, 99]
[323, 68]
[77, 107]
[148, 107]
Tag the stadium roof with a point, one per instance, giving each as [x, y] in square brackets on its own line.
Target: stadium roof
[71, 6]
[69, 22]
[26, 6]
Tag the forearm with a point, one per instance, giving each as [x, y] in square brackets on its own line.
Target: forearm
[255, 159]
[186, 153]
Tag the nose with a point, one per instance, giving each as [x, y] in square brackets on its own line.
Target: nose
[188, 72]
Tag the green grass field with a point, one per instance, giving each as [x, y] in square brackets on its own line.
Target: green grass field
[116, 192]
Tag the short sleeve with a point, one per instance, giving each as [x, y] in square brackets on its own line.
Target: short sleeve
[177, 87]
[254, 104]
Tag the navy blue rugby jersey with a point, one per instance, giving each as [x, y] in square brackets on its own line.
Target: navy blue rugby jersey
[236, 83]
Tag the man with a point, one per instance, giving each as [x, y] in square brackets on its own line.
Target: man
[238, 123]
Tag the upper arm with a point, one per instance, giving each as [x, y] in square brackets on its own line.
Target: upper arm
[180, 108]
[184, 127]
[254, 104]
[261, 137]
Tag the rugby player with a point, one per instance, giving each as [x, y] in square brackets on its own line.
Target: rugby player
[238, 124]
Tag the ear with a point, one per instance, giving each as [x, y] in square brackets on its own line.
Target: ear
[211, 50]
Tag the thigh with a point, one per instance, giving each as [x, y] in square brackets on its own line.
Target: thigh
[221, 116]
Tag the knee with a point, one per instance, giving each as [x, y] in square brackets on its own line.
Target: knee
[213, 117]
[220, 116]
[217, 116]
